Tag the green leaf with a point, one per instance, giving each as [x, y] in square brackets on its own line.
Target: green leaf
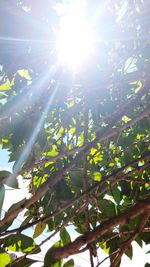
[51, 225]
[145, 237]
[5, 86]
[9, 179]
[125, 187]
[76, 178]
[129, 252]
[105, 248]
[125, 119]
[39, 229]
[107, 208]
[139, 241]
[26, 220]
[4, 174]
[49, 261]
[25, 74]
[63, 191]
[53, 151]
[72, 130]
[113, 245]
[65, 237]
[16, 205]
[20, 243]
[97, 176]
[69, 263]
[82, 229]
[4, 258]
[116, 193]
[11, 209]
[93, 151]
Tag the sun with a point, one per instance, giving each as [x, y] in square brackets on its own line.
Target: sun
[75, 41]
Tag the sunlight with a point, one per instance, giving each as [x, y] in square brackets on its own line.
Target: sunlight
[75, 42]
[27, 149]
[25, 153]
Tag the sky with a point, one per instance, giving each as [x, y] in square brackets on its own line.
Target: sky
[81, 260]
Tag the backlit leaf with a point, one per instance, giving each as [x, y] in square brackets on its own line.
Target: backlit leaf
[65, 237]
[39, 229]
[97, 176]
[49, 261]
[69, 263]
[4, 258]
[19, 242]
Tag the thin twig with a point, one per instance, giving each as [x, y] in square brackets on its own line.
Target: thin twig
[106, 258]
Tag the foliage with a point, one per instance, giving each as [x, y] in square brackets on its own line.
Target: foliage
[80, 142]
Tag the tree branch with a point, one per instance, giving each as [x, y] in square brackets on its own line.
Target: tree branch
[139, 208]
[133, 236]
[138, 181]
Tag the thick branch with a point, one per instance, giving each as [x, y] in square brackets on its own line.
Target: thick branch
[133, 236]
[70, 249]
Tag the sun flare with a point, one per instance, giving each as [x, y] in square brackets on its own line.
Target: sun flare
[75, 42]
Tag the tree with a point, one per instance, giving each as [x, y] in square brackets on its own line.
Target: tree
[82, 144]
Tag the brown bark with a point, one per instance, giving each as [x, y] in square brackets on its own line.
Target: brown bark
[133, 236]
[72, 248]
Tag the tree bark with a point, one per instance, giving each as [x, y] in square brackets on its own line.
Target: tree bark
[73, 248]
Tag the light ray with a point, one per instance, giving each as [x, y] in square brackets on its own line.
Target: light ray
[35, 133]
[36, 89]
[26, 151]
[22, 40]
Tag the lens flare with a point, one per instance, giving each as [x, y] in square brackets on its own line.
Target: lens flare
[75, 42]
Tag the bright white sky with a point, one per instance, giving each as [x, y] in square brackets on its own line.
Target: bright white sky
[81, 260]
